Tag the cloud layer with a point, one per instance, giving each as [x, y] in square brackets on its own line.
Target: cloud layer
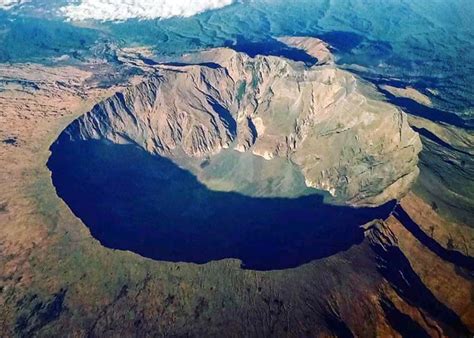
[8, 4]
[109, 10]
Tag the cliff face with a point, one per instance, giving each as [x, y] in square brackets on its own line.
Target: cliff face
[375, 280]
[329, 123]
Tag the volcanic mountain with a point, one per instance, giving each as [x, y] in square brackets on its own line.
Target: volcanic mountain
[331, 124]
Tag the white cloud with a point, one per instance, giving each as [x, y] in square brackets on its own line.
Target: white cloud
[8, 4]
[110, 10]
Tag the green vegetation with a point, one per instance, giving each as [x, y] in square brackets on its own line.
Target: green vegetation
[29, 39]
[241, 90]
[255, 76]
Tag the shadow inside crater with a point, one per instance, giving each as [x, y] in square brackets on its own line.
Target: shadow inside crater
[270, 47]
[132, 200]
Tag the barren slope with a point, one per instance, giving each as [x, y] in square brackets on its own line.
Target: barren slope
[333, 126]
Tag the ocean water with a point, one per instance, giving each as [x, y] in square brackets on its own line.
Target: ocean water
[131, 200]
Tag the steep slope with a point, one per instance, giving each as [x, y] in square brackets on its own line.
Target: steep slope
[49, 259]
[334, 127]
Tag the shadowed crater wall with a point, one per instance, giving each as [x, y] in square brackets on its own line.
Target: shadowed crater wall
[132, 200]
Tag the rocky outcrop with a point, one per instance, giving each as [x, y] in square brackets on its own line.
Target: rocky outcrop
[409, 93]
[328, 122]
[312, 46]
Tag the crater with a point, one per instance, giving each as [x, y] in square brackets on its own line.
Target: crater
[197, 163]
[133, 200]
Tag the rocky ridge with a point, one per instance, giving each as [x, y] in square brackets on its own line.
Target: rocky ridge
[49, 259]
[331, 124]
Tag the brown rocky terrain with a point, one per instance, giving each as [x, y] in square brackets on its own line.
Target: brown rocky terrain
[312, 46]
[319, 118]
[412, 274]
[410, 93]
